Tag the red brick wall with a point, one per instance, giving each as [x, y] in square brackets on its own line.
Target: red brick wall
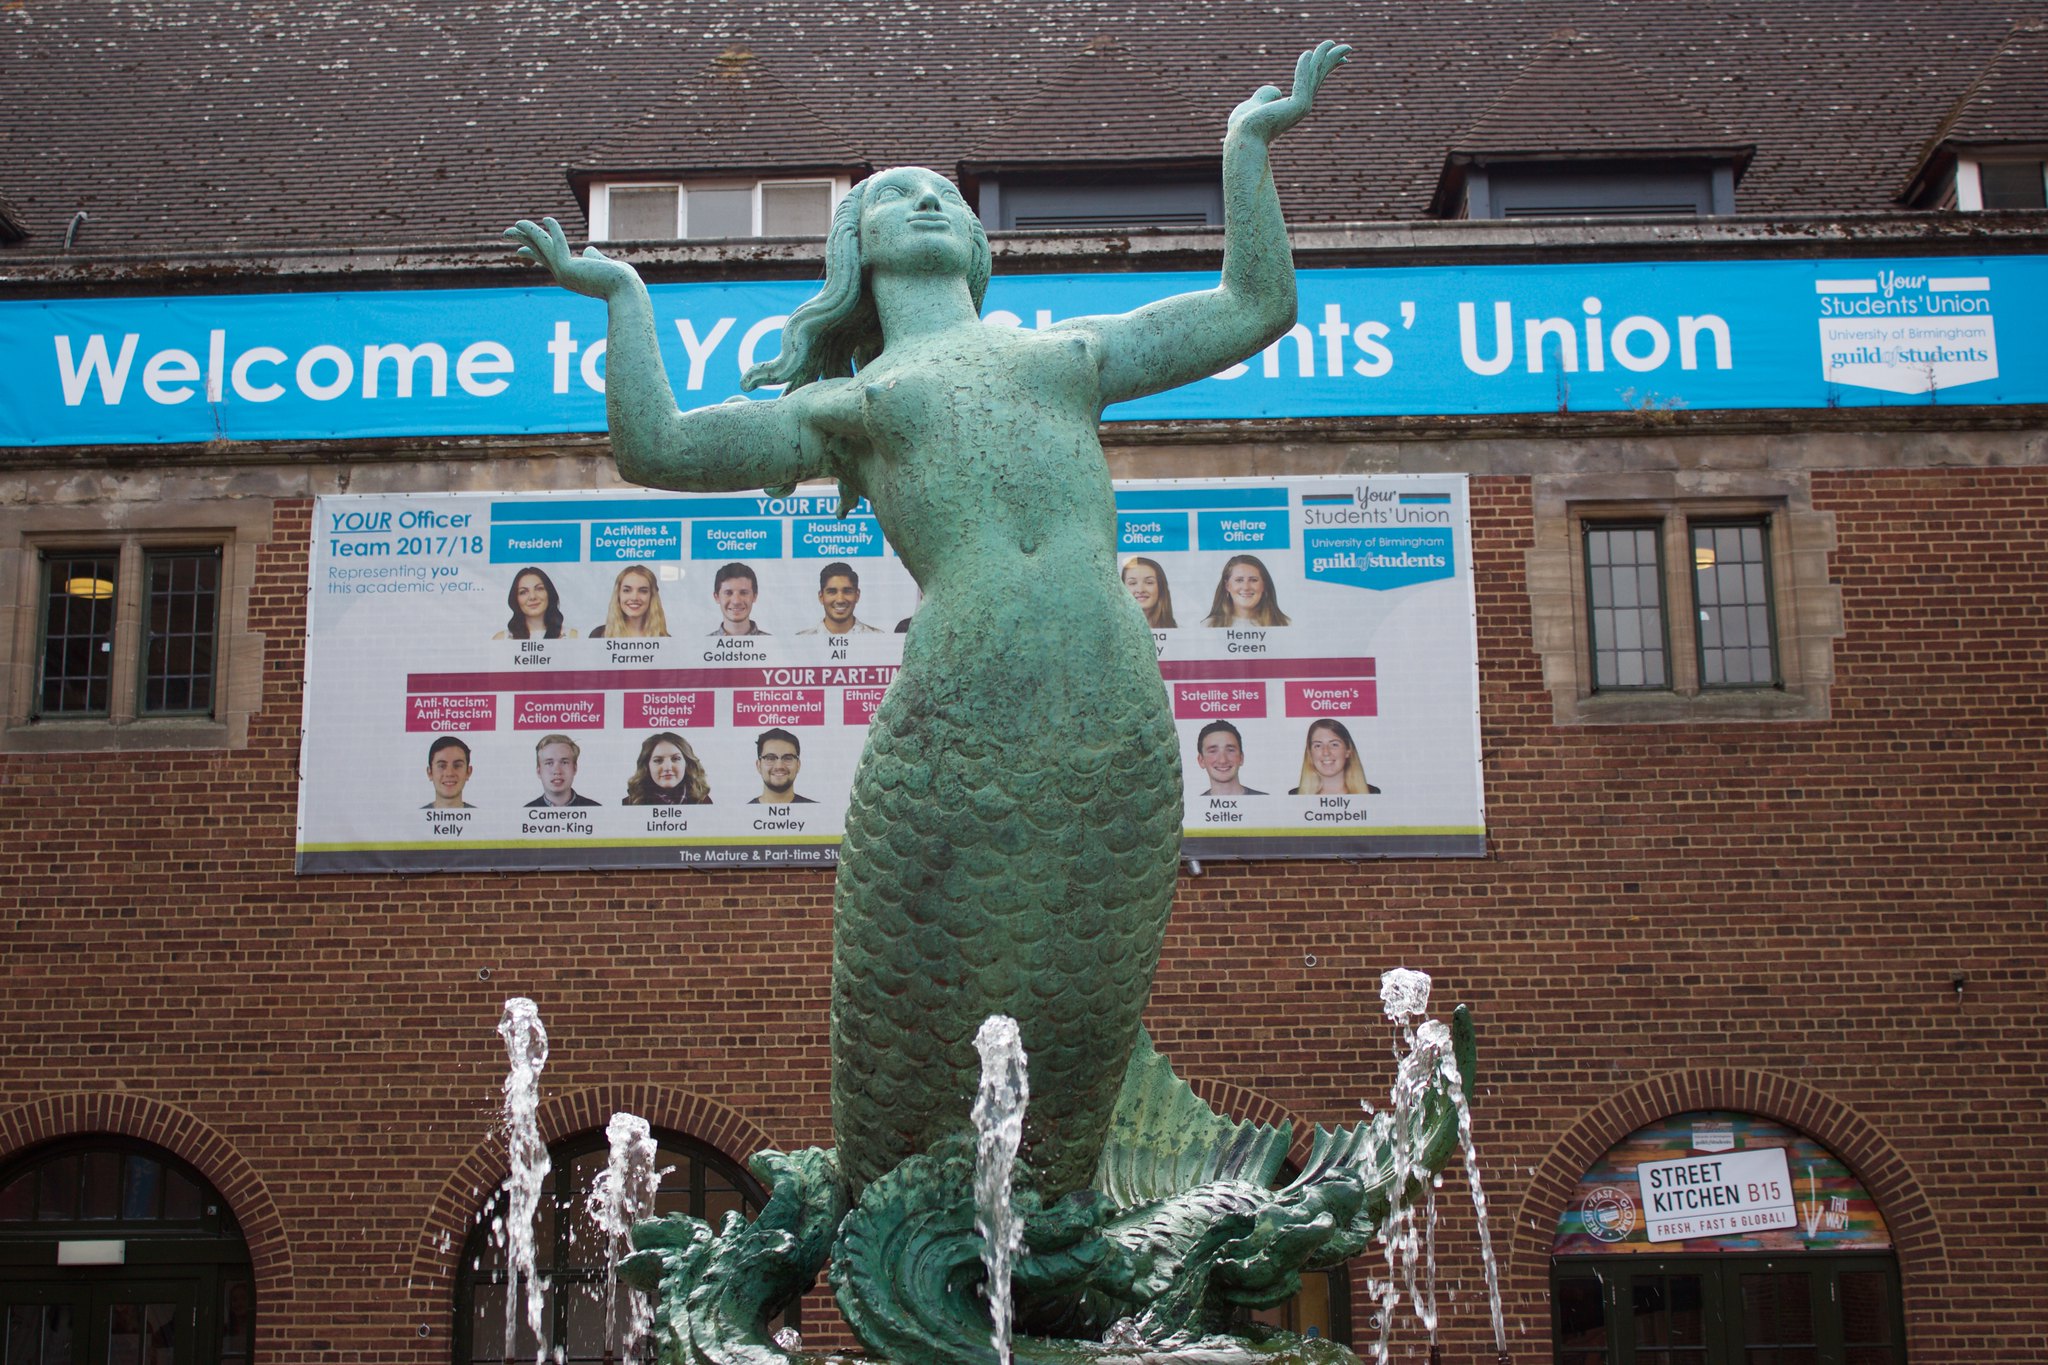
[1761, 916]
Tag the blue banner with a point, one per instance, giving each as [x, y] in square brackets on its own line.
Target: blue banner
[1409, 341]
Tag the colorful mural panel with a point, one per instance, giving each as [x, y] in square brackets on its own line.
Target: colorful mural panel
[1718, 1180]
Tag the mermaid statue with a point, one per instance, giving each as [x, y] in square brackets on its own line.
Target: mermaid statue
[1013, 835]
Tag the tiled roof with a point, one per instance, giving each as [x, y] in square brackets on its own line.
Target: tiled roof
[1576, 96]
[12, 229]
[222, 125]
[2006, 104]
[1106, 104]
[2009, 101]
[736, 111]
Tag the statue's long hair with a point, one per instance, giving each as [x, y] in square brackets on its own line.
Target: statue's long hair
[836, 331]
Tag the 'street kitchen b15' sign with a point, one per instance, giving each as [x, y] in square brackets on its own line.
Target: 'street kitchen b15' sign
[1727, 1194]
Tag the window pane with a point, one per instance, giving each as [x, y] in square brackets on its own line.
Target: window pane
[720, 213]
[487, 1322]
[795, 210]
[1731, 581]
[24, 1333]
[587, 1336]
[1581, 1317]
[487, 1327]
[1866, 1316]
[1734, 627]
[182, 1200]
[2012, 185]
[78, 632]
[1688, 1323]
[718, 1203]
[643, 214]
[184, 607]
[39, 1334]
[1623, 568]
[58, 1201]
[18, 1200]
[139, 1197]
[1777, 1312]
[234, 1320]
[1670, 1328]
[584, 1243]
[1731, 590]
[102, 1185]
[160, 1334]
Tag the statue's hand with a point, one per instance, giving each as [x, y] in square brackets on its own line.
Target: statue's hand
[592, 273]
[1268, 113]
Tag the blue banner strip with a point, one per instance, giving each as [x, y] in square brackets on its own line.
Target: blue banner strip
[1650, 336]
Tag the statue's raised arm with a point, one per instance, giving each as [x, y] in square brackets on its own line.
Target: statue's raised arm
[1191, 336]
[725, 446]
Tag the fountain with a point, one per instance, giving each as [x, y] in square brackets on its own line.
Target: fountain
[998, 1129]
[1012, 838]
[622, 1195]
[1426, 1064]
[526, 1159]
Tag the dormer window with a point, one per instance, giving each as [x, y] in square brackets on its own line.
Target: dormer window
[1989, 150]
[1104, 144]
[1596, 189]
[2001, 183]
[1579, 131]
[699, 210]
[1098, 199]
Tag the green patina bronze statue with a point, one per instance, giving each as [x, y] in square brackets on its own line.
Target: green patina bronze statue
[1013, 836]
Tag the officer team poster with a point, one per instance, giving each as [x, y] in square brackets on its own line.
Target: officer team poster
[635, 679]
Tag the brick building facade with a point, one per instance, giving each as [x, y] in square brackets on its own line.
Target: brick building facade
[1823, 907]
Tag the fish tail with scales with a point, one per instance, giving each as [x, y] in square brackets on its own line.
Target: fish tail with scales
[1001, 860]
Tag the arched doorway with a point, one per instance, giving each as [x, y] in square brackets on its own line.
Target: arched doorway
[114, 1250]
[570, 1253]
[1715, 1237]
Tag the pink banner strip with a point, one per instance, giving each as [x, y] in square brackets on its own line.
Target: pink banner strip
[1218, 700]
[448, 713]
[671, 710]
[558, 711]
[860, 705]
[1335, 697]
[866, 675]
[778, 706]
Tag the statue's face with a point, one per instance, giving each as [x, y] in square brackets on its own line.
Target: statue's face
[914, 221]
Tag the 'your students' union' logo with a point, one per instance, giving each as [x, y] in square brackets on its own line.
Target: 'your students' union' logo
[1906, 333]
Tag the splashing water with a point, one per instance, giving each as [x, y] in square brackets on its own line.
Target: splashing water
[1455, 1085]
[999, 1129]
[1426, 1058]
[1404, 995]
[526, 1049]
[621, 1195]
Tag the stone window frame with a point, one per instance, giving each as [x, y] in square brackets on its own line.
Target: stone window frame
[236, 529]
[1807, 606]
